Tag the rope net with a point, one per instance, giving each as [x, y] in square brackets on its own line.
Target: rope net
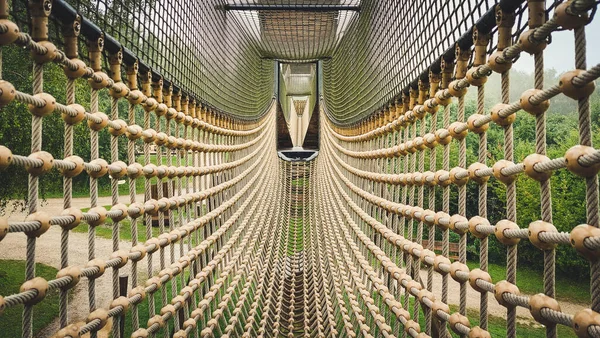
[214, 63]
[230, 240]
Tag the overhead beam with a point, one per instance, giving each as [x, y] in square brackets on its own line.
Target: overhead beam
[290, 7]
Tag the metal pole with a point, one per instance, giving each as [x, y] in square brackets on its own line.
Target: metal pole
[290, 7]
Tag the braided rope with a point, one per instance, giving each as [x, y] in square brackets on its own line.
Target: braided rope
[258, 246]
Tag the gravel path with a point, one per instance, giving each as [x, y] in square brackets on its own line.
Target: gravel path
[48, 252]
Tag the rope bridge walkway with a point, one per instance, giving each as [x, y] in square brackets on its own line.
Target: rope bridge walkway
[251, 244]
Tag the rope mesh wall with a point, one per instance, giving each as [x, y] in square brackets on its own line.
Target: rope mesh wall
[377, 61]
[251, 245]
[215, 63]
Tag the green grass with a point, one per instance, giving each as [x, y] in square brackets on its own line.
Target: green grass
[530, 282]
[105, 230]
[299, 182]
[140, 159]
[144, 309]
[12, 275]
[295, 230]
[496, 325]
[104, 189]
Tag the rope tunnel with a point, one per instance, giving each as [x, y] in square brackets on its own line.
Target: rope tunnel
[295, 168]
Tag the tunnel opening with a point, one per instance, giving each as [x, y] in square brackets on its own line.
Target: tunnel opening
[297, 111]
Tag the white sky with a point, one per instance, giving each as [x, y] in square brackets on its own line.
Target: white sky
[560, 54]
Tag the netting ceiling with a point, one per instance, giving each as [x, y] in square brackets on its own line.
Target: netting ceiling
[297, 30]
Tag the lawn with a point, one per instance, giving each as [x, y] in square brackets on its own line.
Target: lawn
[105, 230]
[144, 310]
[140, 159]
[12, 275]
[530, 282]
[496, 325]
[105, 189]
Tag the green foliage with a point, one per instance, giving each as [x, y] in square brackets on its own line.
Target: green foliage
[12, 275]
[15, 129]
[15, 119]
[568, 190]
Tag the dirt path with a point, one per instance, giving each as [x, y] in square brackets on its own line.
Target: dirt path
[48, 252]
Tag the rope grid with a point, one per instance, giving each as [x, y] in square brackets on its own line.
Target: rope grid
[240, 243]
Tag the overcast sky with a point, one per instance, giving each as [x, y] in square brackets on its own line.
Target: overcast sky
[560, 54]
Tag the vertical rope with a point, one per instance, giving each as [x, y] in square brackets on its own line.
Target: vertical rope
[36, 145]
[462, 205]
[171, 216]
[511, 210]
[114, 156]
[160, 194]
[411, 201]
[591, 183]
[545, 188]
[445, 203]
[148, 220]
[94, 154]
[417, 262]
[431, 235]
[67, 198]
[397, 227]
[483, 251]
